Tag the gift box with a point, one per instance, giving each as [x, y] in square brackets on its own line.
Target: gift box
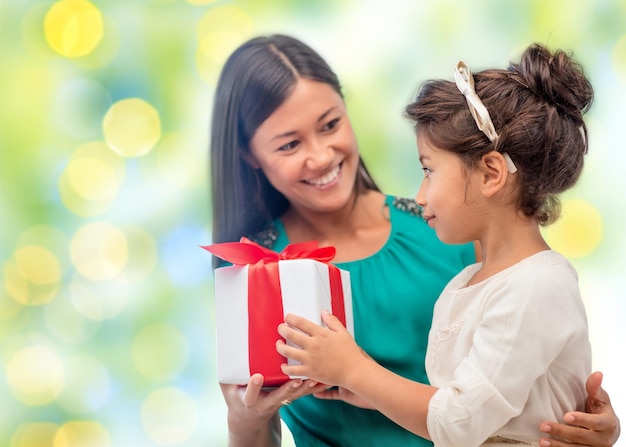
[254, 294]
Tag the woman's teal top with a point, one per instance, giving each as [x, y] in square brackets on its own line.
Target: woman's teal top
[393, 293]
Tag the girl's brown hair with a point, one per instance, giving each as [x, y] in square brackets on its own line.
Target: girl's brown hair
[537, 108]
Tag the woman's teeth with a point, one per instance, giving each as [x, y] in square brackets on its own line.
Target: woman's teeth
[326, 178]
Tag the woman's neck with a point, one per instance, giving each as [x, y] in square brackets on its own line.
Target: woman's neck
[357, 230]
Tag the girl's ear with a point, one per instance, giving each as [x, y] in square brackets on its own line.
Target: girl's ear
[494, 173]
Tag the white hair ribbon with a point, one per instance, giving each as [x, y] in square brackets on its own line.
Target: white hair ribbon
[465, 83]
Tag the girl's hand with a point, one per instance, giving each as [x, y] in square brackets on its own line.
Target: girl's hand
[327, 354]
[253, 413]
[599, 427]
[340, 393]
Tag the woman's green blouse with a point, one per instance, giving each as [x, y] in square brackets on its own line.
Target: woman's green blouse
[393, 293]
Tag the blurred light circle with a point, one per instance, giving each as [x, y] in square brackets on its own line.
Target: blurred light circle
[618, 58]
[79, 106]
[99, 251]
[219, 32]
[82, 434]
[91, 181]
[132, 127]
[15, 283]
[99, 300]
[578, 232]
[88, 385]
[35, 375]
[66, 323]
[73, 28]
[160, 352]
[34, 434]
[22, 290]
[169, 416]
[38, 265]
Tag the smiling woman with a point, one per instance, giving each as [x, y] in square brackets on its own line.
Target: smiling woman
[307, 149]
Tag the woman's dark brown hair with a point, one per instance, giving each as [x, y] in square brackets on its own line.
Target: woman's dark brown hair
[537, 108]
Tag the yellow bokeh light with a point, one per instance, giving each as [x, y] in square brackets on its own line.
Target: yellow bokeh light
[169, 416]
[132, 127]
[35, 375]
[73, 28]
[99, 251]
[82, 433]
[34, 434]
[38, 265]
[91, 181]
[33, 276]
[578, 232]
[15, 283]
[160, 352]
[220, 31]
[618, 58]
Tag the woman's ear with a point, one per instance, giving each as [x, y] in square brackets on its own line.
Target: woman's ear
[494, 173]
[250, 159]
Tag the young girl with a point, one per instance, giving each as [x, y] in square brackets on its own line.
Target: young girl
[496, 150]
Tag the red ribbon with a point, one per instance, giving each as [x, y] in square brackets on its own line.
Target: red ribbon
[264, 296]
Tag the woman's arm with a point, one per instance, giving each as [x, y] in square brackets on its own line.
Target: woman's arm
[253, 413]
[599, 427]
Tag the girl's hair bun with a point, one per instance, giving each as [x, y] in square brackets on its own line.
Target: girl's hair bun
[557, 78]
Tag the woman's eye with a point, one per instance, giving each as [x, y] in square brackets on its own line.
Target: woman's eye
[426, 171]
[288, 146]
[331, 124]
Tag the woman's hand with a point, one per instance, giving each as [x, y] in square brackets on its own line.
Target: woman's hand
[253, 413]
[599, 427]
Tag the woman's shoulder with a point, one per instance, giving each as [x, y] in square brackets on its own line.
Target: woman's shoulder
[268, 236]
[404, 205]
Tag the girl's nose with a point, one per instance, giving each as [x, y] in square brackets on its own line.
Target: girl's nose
[420, 198]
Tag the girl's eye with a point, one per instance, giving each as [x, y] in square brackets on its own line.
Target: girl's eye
[426, 171]
[289, 146]
[331, 124]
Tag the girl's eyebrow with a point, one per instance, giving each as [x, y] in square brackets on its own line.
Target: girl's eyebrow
[293, 132]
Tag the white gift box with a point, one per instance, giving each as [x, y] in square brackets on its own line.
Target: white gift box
[305, 291]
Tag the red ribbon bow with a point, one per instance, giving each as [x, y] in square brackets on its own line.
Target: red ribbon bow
[265, 299]
[248, 252]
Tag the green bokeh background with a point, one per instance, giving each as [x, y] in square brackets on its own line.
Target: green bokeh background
[132, 353]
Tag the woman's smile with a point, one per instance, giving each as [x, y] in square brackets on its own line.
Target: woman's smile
[325, 179]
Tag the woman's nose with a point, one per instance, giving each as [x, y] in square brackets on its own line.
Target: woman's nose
[320, 154]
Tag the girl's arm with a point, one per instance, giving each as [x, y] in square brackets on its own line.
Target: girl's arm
[330, 355]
